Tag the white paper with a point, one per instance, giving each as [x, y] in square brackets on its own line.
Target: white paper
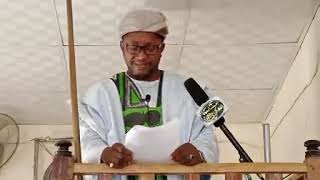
[153, 145]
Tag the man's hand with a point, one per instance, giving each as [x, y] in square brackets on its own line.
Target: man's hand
[117, 156]
[187, 154]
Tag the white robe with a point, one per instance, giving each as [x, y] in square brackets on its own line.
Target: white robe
[102, 125]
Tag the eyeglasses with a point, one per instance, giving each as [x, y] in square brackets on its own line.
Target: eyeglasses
[150, 49]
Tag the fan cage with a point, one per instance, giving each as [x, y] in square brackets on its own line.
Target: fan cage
[12, 122]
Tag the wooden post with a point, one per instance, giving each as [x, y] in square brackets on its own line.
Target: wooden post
[273, 176]
[233, 176]
[298, 177]
[62, 165]
[105, 176]
[146, 177]
[313, 159]
[193, 176]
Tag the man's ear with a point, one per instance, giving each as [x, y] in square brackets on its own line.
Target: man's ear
[162, 47]
[122, 45]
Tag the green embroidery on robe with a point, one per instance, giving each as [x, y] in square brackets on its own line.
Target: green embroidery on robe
[135, 110]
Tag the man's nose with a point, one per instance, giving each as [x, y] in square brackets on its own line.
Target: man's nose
[142, 54]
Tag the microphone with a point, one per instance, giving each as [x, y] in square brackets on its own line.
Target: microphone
[147, 100]
[211, 111]
[196, 92]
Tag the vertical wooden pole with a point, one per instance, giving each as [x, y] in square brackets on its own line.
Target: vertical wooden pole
[73, 87]
[73, 84]
[193, 176]
[105, 176]
[233, 176]
[298, 177]
[146, 177]
[313, 167]
[273, 176]
[313, 159]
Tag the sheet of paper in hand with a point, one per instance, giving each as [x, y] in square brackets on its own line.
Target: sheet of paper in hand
[153, 145]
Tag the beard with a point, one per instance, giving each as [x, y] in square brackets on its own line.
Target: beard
[145, 75]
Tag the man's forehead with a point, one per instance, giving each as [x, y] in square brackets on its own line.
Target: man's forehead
[142, 37]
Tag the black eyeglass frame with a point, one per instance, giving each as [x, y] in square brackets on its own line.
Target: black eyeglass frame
[149, 49]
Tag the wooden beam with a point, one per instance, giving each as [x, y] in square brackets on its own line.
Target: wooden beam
[204, 168]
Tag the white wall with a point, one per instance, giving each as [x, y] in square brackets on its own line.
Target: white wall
[249, 136]
[20, 165]
[294, 117]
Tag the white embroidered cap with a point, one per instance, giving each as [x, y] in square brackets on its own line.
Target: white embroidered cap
[146, 20]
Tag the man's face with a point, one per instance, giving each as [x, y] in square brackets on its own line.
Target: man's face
[142, 53]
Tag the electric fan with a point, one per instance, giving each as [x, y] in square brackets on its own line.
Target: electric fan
[9, 138]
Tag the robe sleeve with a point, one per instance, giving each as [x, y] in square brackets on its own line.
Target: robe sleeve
[92, 144]
[206, 142]
[94, 125]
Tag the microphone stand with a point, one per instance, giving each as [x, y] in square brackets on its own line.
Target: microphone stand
[244, 157]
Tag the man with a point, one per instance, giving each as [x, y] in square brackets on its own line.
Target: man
[143, 95]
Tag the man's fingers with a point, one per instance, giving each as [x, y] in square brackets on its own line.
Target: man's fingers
[188, 160]
[118, 147]
[111, 165]
[121, 164]
[113, 162]
[127, 151]
[176, 152]
[193, 160]
[121, 149]
[179, 156]
[127, 158]
[117, 154]
[186, 154]
[119, 158]
[180, 153]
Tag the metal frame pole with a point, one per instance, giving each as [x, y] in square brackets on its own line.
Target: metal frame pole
[266, 142]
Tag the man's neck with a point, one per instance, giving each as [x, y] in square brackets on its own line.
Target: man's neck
[150, 77]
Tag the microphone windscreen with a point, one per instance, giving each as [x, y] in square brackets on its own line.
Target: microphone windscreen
[196, 92]
[148, 98]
